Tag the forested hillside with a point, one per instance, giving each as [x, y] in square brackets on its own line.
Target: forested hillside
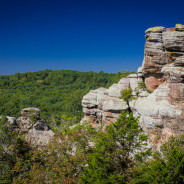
[56, 93]
[77, 154]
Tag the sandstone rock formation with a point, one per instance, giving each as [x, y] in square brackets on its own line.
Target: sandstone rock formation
[104, 105]
[163, 47]
[36, 131]
[162, 111]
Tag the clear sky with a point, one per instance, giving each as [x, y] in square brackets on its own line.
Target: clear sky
[84, 35]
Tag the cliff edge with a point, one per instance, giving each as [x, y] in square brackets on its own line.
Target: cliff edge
[160, 104]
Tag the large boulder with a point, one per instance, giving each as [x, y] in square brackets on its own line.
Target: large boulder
[36, 131]
[115, 89]
[104, 105]
[133, 79]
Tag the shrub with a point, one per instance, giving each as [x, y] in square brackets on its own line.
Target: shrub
[141, 87]
[11, 148]
[166, 166]
[113, 153]
[126, 95]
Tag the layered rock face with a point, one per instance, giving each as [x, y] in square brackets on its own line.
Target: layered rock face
[36, 131]
[104, 105]
[163, 47]
[162, 111]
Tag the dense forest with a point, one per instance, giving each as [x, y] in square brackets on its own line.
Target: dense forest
[56, 93]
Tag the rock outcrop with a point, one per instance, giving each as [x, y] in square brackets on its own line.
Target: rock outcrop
[104, 105]
[162, 111]
[36, 131]
[163, 47]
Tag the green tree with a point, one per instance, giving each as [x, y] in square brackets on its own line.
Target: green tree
[61, 161]
[167, 166]
[54, 92]
[11, 146]
[7, 157]
[114, 152]
[127, 96]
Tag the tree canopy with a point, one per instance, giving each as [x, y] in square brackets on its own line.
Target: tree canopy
[56, 93]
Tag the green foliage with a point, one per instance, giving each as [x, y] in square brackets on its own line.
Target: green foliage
[104, 156]
[122, 74]
[7, 158]
[113, 154]
[33, 116]
[80, 154]
[11, 146]
[125, 73]
[141, 87]
[63, 125]
[61, 161]
[56, 93]
[166, 166]
[126, 95]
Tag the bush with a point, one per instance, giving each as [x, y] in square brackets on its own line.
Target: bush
[126, 95]
[12, 147]
[141, 87]
[61, 161]
[113, 154]
[166, 166]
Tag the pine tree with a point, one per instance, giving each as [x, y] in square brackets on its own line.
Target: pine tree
[114, 152]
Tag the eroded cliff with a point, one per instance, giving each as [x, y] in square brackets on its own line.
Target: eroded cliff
[161, 111]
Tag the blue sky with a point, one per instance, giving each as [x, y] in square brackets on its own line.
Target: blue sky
[84, 35]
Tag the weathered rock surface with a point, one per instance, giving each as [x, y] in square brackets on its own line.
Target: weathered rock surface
[162, 111]
[11, 120]
[104, 105]
[37, 132]
[163, 46]
[30, 111]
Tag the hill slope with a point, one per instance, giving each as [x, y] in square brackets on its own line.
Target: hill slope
[56, 93]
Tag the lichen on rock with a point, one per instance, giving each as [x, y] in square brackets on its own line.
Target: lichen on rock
[179, 27]
[155, 29]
